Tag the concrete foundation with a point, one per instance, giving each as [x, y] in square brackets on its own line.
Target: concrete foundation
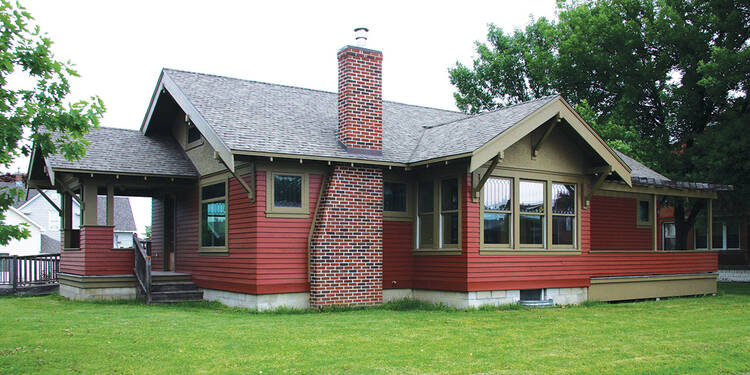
[83, 294]
[258, 301]
[560, 296]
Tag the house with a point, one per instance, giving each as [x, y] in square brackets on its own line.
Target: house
[268, 195]
[26, 246]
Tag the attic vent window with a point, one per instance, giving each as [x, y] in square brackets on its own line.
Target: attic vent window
[193, 135]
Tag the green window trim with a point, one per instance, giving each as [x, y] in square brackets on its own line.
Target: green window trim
[274, 211]
[406, 214]
[515, 247]
[435, 216]
[498, 210]
[643, 204]
[223, 249]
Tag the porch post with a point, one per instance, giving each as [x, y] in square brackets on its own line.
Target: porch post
[89, 204]
[655, 218]
[67, 218]
[110, 205]
[710, 224]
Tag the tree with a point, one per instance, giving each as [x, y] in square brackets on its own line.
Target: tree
[33, 110]
[648, 74]
[664, 81]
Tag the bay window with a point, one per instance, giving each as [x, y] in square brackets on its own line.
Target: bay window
[497, 211]
[529, 212]
[563, 214]
[532, 217]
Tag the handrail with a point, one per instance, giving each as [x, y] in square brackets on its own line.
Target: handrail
[29, 270]
[142, 268]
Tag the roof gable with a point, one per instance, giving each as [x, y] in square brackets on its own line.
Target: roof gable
[553, 106]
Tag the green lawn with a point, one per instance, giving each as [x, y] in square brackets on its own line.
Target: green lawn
[708, 335]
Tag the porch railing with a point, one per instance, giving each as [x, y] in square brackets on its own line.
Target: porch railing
[142, 268]
[29, 270]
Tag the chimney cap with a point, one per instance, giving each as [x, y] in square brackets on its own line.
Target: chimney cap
[360, 36]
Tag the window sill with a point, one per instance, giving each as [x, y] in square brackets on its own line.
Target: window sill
[287, 215]
[222, 253]
[193, 145]
[396, 218]
[539, 251]
[426, 252]
[72, 249]
[123, 249]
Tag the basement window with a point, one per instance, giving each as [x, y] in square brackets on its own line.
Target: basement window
[531, 294]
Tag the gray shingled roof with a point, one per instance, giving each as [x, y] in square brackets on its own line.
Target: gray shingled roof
[468, 134]
[261, 117]
[128, 151]
[124, 221]
[640, 171]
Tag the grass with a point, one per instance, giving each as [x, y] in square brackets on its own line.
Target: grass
[705, 335]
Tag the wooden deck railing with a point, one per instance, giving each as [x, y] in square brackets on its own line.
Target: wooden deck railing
[29, 270]
[142, 268]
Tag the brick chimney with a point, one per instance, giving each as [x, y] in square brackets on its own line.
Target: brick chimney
[360, 97]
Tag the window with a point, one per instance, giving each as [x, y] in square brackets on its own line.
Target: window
[394, 197]
[426, 203]
[563, 214]
[213, 215]
[287, 195]
[644, 213]
[531, 218]
[53, 220]
[449, 211]
[287, 191]
[669, 238]
[726, 234]
[497, 211]
[193, 135]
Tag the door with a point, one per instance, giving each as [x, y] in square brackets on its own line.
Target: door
[169, 233]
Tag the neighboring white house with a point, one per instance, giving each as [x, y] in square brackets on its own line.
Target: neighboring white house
[40, 210]
[27, 246]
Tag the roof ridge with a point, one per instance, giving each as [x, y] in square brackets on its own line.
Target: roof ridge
[303, 88]
[490, 112]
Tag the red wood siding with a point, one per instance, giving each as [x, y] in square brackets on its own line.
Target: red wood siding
[96, 256]
[613, 225]
[266, 255]
[398, 263]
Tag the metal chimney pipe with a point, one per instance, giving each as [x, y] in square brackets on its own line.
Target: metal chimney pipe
[360, 36]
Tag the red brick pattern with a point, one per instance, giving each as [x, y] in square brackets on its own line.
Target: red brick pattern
[346, 260]
[360, 98]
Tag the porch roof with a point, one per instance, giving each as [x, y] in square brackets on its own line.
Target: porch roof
[128, 152]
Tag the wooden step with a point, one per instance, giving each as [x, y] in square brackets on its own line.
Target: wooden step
[176, 296]
[173, 286]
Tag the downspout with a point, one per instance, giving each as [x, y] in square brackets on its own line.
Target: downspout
[321, 193]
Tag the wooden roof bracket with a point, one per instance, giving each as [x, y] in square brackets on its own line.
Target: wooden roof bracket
[51, 202]
[555, 120]
[603, 173]
[249, 187]
[479, 185]
[66, 189]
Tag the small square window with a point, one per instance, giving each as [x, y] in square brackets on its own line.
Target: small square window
[287, 191]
